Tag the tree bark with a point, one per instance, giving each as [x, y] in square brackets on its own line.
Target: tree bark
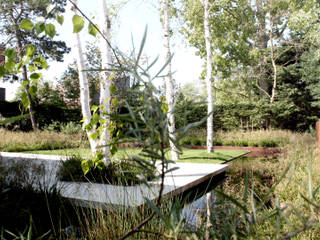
[262, 44]
[164, 5]
[105, 81]
[24, 69]
[209, 79]
[84, 88]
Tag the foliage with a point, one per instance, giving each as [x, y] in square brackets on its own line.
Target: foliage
[28, 213]
[69, 82]
[23, 55]
[30, 33]
[265, 198]
[121, 172]
[243, 59]
[259, 138]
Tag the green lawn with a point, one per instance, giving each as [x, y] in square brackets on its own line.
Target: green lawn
[189, 155]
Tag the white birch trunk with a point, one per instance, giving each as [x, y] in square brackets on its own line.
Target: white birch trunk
[164, 5]
[84, 87]
[208, 77]
[105, 81]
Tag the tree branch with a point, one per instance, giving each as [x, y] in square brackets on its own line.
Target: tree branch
[114, 52]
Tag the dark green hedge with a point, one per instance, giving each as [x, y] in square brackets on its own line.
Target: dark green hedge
[45, 114]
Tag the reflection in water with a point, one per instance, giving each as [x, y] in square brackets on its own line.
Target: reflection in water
[197, 210]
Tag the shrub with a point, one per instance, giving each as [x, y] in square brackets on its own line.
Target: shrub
[71, 128]
[119, 172]
[196, 142]
[185, 141]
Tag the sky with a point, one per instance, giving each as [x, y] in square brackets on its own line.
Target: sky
[132, 18]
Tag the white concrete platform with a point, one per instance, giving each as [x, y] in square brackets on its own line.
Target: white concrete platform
[188, 176]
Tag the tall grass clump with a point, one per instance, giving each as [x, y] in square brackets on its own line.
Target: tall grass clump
[271, 199]
[31, 209]
[14, 141]
[257, 138]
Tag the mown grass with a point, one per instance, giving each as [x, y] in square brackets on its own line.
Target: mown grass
[188, 155]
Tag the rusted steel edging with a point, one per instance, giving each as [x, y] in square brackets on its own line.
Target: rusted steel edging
[272, 152]
[253, 151]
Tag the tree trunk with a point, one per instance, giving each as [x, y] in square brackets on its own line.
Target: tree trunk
[164, 4]
[84, 88]
[273, 60]
[208, 77]
[25, 72]
[105, 81]
[31, 107]
[262, 44]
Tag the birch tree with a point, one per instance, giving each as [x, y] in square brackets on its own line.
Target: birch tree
[17, 32]
[83, 80]
[105, 81]
[208, 76]
[164, 6]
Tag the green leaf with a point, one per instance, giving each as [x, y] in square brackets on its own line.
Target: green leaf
[24, 100]
[94, 108]
[19, 65]
[92, 30]
[115, 102]
[50, 30]
[25, 83]
[94, 135]
[60, 19]
[40, 27]
[30, 50]
[32, 68]
[2, 71]
[14, 119]
[26, 24]
[85, 165]
[41, 62]
[35, 76]
[33, 91]
[78, 23]
[155, 209]
[9, 66]
[11, 54]
[113, 89]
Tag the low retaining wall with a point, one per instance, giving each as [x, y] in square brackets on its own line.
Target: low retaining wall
[41, 171]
